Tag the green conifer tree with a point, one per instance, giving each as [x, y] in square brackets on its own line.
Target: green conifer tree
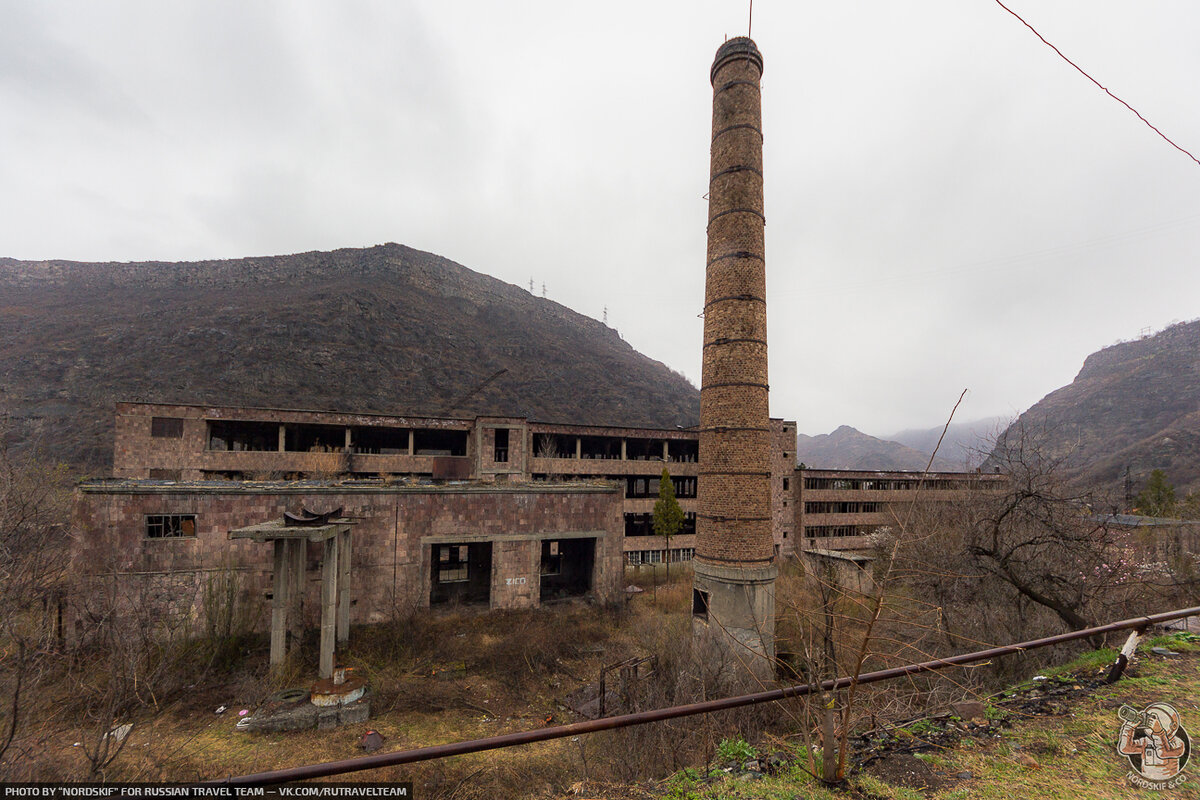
[668, 516]
[1158, 498]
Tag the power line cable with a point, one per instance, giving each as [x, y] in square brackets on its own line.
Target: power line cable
[1093, 80]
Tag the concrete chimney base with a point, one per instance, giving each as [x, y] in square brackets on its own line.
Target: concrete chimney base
[733, 613]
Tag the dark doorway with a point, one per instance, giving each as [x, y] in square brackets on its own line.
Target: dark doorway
[462, 574]
[567, 568]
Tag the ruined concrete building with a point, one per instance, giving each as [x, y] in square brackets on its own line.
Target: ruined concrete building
[735, 569]
[840, 509]
[203, 443]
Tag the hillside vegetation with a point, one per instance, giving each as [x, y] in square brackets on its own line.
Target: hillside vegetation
[1134, 404]
[384, 329]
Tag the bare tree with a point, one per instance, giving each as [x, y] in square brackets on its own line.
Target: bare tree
[33, 546]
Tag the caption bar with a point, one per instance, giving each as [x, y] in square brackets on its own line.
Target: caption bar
[119, 791]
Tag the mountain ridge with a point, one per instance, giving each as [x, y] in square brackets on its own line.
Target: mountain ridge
[386, 329]
[1133, 405]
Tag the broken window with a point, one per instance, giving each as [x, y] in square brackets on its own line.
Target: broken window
[567, 566]
[600, 447]
[166, 427]
[551, 559]
[379, 440]
[166, 526]
[439, 442]
[452, 564]
[547, 445]
[462, 573]
[685, 450]
[500, 451]
[315, 438]
[230, 435]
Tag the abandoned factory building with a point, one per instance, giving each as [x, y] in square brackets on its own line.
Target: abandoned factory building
[500, 512]
[839, 509]
[206, 443]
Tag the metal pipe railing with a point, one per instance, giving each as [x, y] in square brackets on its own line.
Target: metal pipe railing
[673, 712]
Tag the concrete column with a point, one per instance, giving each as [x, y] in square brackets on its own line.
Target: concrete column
[282, 437]
[624, 454]
[411, 437]
[578, 448]
[297, 552]
[347, 439]
[343, 599]
[280, 599]
[666, 450]
[329, 595]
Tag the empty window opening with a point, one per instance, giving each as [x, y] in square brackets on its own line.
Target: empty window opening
[500, 451]
[462, 574]
[166, 427]
[379, 441]
[601, 447]
[439, 443]
[685, 450]
[547, 445]
[644, 449]
[787, 485]
[168, 526]
[567, 566]
[647, 485]
[700, 604]
[315, 438]
[257, 436]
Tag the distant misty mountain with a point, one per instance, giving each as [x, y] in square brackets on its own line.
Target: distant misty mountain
[847, 448]
[965, 445]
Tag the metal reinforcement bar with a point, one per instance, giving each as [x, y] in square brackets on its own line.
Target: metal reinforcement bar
[707, 707]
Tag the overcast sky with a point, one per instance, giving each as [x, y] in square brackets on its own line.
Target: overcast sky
[949, 204]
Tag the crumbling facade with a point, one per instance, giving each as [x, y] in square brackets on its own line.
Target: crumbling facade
[415, 546]
[840, 509]
[735, 569]
[204, 443]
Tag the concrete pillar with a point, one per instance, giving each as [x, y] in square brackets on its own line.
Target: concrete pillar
[411, 437]
[624, 451]
[297, 554]
[348, 440]
[578, 448]
[666, 450]
[329, 595]
[282, 437]
[280, 600]
[343, 599]
[735, 555]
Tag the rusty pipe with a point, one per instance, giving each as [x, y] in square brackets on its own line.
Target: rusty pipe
[656, 715]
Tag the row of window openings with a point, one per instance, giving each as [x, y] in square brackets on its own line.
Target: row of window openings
[643, 524]
[824, 531]
[880, 484]
[832, 507]
[636, 558]
[549, 445]
[364, 440]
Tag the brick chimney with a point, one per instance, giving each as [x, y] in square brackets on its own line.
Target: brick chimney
[734, 592]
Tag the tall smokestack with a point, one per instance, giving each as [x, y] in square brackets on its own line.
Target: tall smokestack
[734, 596]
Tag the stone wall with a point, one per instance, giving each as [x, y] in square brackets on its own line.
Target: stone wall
[392, 538]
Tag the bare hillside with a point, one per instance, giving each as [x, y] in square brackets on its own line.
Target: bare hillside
[385, 329]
